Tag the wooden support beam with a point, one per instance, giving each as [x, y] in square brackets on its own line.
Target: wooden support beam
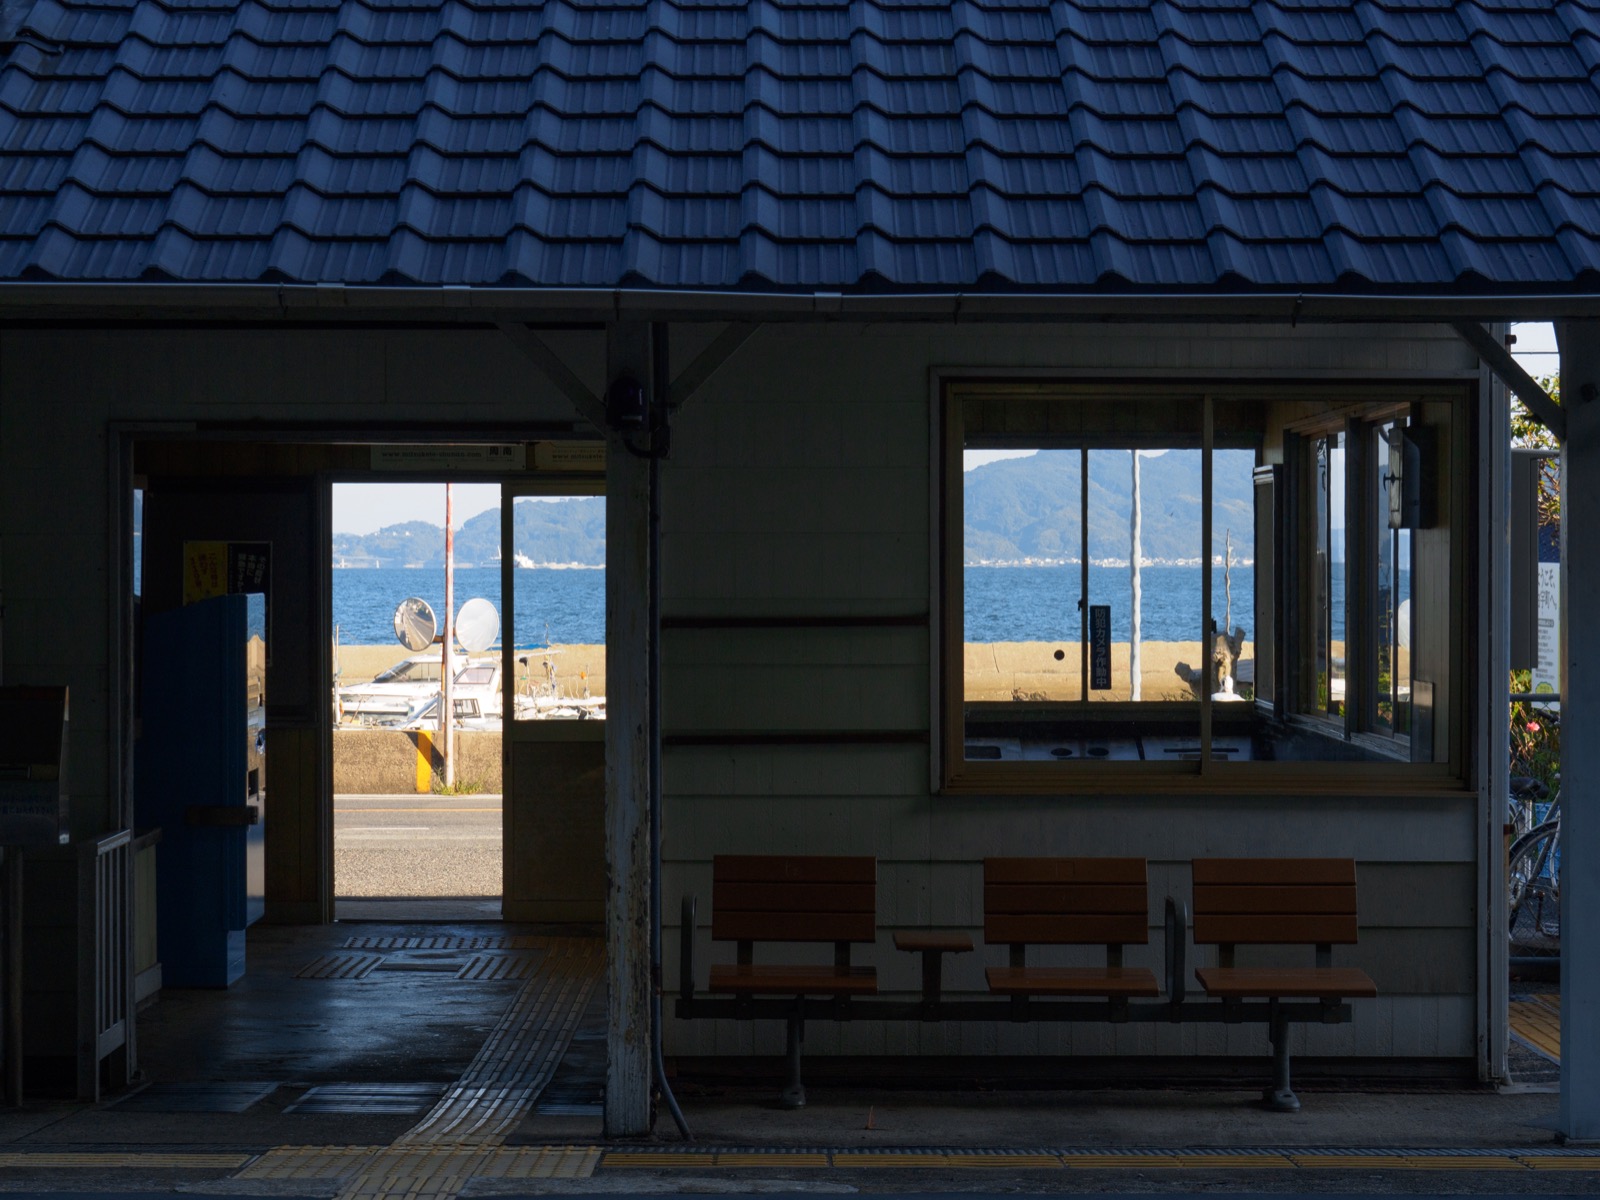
[590, 407]
[629, 349]
[1510, 372]
[709, 361]
[1579, 343]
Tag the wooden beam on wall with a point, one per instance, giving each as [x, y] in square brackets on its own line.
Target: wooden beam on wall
[538, 351]
[709, 361]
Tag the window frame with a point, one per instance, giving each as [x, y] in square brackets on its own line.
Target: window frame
[1081, 413]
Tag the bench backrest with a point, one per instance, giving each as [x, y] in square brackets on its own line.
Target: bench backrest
[793, 898]
[1065, 902]
[1275, 901]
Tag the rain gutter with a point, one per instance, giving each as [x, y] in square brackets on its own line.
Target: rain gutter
[332, 303]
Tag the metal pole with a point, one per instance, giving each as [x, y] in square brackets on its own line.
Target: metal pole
[1135, 553]
[1208, 633]
[447, 723]
[1083, 573]
[1579, 342]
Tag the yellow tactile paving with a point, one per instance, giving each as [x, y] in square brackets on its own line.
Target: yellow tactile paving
[1101, 1161]
[644, 1159]
[308, 1162]
[1019, 1161]
[780, 1159]
[424, 1163]
[89, 1158]
[1233, 1162]
[1091, 1160]
[888, 1160]
[1559, 1162]
[1537, 1021]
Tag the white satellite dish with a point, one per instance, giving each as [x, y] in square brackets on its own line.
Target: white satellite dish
[415, 624]
[477, 625]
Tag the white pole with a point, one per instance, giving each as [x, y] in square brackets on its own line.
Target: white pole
[447, 724]
[1135, 553]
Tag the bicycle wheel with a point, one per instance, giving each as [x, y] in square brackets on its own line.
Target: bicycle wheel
[1534, 890]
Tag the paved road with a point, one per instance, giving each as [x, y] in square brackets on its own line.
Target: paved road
[416, 845]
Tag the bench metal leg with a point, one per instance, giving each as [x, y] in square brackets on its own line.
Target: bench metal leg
[1280, 1096]
[794, 1092]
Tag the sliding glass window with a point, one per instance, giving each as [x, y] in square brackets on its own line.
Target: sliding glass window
[1158, 581]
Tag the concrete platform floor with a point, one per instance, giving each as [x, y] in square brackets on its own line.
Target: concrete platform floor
[315, 1075]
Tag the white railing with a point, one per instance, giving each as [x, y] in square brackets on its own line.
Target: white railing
[105, 960]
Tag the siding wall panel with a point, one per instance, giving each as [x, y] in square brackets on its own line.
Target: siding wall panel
[798, 484]
[848, 527]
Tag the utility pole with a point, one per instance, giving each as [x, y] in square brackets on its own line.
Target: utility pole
[1135, 556]
[447, 724]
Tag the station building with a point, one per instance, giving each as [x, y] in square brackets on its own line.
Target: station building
[762, 275]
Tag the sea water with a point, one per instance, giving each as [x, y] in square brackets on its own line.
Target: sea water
[566, 605]
[1003, 604]
[1040, 604]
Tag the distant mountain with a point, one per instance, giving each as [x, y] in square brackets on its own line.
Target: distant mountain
[1020, 508]
[555, 531]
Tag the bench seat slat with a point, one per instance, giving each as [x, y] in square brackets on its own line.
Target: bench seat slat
[796, 897]
[793, 927]
[1066, 897]
[1072, 981]
[794, 980]
[1051, 929]
[793, 868]
[1259, 871]
[1267, 982]
[1275, 898]
[1267, 929]
[1064, 870]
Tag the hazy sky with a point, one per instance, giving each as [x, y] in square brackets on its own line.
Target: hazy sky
[365, 507]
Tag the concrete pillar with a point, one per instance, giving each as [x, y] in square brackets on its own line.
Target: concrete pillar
[628, 647]
[1579, 342]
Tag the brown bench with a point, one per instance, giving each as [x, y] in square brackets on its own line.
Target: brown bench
[794, 898]
[1033, 902]
[1278, 902]
[1067, 902]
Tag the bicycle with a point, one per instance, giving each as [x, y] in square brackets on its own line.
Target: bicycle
[1534, 885]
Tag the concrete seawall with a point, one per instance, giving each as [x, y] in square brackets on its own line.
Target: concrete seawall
[372, 761]
[379, 761]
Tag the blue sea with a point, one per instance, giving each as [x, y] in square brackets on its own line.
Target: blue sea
[1040, 604]
[1003, 604]
[567, 606]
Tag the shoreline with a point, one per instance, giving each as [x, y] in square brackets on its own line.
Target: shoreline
[991, 670]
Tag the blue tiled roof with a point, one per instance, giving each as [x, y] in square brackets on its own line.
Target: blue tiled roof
[853, 145]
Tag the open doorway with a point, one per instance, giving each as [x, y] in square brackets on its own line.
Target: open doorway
[417, 803]
[500, 814]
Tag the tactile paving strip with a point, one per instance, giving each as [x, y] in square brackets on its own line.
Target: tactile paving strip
[116, 1160]
[424, 1163]
[460, 1138]
[340, 966]
[1536, 1022]
[1453, 1159]
[445, 942]
[498, 966]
